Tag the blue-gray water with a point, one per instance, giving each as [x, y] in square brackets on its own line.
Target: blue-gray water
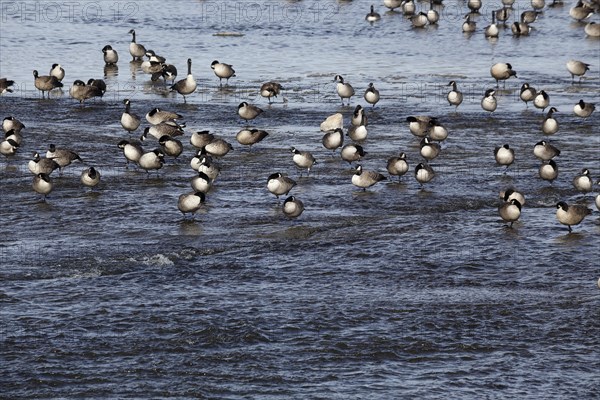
[393, 293]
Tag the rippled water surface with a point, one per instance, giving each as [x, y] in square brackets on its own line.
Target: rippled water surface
[396, 292]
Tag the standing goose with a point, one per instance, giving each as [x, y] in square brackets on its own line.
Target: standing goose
[550, 124]
[270, 89]
[136, 50]
[352, 152]
[248, 111]
[592, 29]
[527, 94]
[10, 123]
[503, 14]
[454, 96]
[541, 100]
[474, 5]
[131, 150]
[110, 56]
[344, 89]
[510, 194]
[249, 137]
[489, 103]
[201, 138]
[303, 159]
[57, 71]
[42, 184]
[90, 177]
[218, 147]
[5, 85]
[397, 166]
[392, 4]
[365, 179]
[371, 95]
[40, 165]
[190, 203]
[130, 122]
[170, 146]
[580, 11]
[186, 86]
[529, 16]
[168, 73]
[504, 155]
[334, 139]
[545, 151]
[359, 117]
[292, 207]
[208, 167]
[357, 133]
[409, 7]
[8, 147]
[429, 150]
[45, 83]
[598, 198]
[583, 181]
[437, 131]
[548, 170]
[81, 92]
[520, 29]
[583, 109]
[98, 83]
[152, 160]
[423, 173]
[510, 211]
[222, 71]
[577, 68]
[419, 125]
[14, 136]
[502, 72]
[469, 26]
[279, 184]
[156, 116]
[170, 128]
[419, 20]
[201, 182]
[571, 214]
[373, 16]
[492, 31]
[432, 15]
[63, 157]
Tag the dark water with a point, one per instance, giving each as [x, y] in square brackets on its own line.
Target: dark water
[395, 292]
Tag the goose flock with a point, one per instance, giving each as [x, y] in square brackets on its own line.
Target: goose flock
[166, 128]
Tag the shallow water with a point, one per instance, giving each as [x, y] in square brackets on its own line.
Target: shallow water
[393, 292]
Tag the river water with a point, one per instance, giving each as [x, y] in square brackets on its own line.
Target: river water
[396, 292]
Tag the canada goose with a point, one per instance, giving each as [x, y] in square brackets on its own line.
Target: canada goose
[42, 165]
[583, 181]
[510, 211]
[580, 11]
[469, 26]
[489, 103]
[334, 139]
[365, 179]
[170, 128]
[577, 68]
[206, 165]
[270, 89]
[186, 86]
[248, 111]
[571, 214]
[527, 94]
[153, 68]
[583, 109]
[419, 20]
[408, 7]
[455, 96]
[332, 122]
[131, 150]
[598, 203]
[503, 14]
[429, 149]
[292, 207]
[201, 138]
[279, 184]
[359, 117]
[592, 29]
[168, 72]
[538, 4]
[529, 16]
[14, 136]
[218, 147]
[98, 83]
[222, 70]
[437, 131]
[371, 95]
[201, 182]
[520, 29]
[545, 151]
[80, 91]
[248, 137]
[10, 123]
[42, 184]
[303, 159]
[8, 147]
[156, 116]
[57, 71]
[357, 133]
[190, 203]
[510, 194]
[474, 5]
[397, 166]
[423, 173]
[392, 4]
[550, 124]
[152, 160]
[502, 71]
[344, 89]
[504, 155]
[130, 122]
[492, 31]
[419, 125]
[548, 170]
[63, 157]
[373, 16]
[352, 152]
[90, 177]
[110, 56]
[541, 100]
[508, 3]
[136, 50]
[5, 85]
[45, 83]
[432, 15]
[170, 146]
